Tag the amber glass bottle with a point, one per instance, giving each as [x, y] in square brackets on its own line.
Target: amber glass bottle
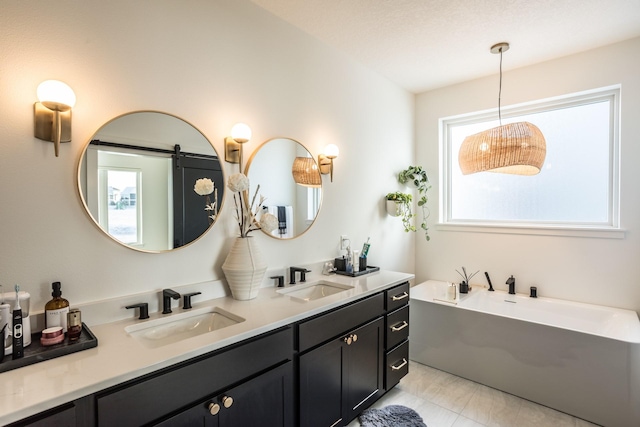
[56, 310]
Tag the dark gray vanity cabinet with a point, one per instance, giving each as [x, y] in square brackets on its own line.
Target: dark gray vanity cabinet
[322, 371]
[349, 357]
[236, 379]
[341, 362]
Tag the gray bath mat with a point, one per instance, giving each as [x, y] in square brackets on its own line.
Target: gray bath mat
[391, 416]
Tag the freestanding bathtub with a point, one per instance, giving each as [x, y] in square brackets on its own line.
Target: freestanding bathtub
[581, 359]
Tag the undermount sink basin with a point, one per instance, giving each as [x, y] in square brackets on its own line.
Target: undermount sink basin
[315, 290]
[177, 327]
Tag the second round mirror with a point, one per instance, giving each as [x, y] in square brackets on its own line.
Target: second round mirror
[291, 183]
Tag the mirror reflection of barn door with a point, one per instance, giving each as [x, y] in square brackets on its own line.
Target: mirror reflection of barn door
[190, 217]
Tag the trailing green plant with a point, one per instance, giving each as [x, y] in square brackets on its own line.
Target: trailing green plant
[418, 176]
[403, 208]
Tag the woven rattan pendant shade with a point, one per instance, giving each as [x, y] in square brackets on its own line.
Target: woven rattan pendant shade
[305, 172]
[516, 148]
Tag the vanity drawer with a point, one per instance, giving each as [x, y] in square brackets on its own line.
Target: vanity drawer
[397, 297]
[397, 365]
[397, 327]
[327, 326]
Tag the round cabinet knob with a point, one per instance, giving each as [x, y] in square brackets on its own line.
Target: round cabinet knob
[355, 338]
[214, 408]
[227, 401]
[348, 340]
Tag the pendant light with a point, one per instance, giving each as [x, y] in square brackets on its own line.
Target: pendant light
[305, 172]
[516, 148]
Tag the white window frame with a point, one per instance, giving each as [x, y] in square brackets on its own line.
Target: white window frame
[610, 230]
[313, 204]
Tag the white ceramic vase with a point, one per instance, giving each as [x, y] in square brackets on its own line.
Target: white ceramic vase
[244, 268]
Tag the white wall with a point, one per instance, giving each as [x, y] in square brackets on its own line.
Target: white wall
[213, 63]
[595, 270]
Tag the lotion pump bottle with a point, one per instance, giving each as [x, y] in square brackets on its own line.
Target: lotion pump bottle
[56, 310]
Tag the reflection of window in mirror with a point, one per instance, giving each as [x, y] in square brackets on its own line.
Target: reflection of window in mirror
[152, 201]
[313, 203]
[120, 212]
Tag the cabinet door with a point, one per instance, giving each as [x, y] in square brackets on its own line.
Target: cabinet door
[321, 384]
[364, 367]
[340, 378]
[266, 400]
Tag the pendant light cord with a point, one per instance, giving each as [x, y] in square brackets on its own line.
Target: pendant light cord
[500, 90]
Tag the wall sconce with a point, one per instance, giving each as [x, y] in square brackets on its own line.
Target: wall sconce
[325, 160]
[52, 115]
[240, 133]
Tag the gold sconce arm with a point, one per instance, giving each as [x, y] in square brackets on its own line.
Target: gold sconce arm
[52, 125]
[325, 160]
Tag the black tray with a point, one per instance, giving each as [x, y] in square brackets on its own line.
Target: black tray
[370, 269]
[35, 352]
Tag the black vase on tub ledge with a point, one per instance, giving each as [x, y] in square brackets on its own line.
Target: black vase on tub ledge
[464, 287]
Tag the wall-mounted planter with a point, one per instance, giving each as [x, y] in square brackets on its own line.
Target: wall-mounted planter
[393, 208]
[399, 205]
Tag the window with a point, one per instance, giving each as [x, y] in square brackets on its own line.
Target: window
[577, 187]
[313, 203]
[121, 217]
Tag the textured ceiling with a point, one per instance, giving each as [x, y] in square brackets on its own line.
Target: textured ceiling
[425, 44]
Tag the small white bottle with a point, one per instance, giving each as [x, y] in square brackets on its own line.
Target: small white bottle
[354, 259]
[451, 291]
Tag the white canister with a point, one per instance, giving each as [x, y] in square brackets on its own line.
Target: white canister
[451, 292]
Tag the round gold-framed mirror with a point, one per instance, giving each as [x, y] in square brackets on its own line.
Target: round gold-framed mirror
[137, 181]
[291, 183]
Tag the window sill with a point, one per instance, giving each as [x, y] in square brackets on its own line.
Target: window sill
[592, 232]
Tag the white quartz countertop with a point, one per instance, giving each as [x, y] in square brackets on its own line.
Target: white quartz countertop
[119, 357]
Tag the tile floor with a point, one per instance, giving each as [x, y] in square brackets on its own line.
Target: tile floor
[445, 400]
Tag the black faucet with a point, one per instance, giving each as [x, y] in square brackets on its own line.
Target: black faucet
[144, 309]
[279, 279]
[167, 294]
[292, 274]
[187, 299]
[511, 281]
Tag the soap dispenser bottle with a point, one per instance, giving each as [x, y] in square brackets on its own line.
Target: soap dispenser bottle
[56, 310]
